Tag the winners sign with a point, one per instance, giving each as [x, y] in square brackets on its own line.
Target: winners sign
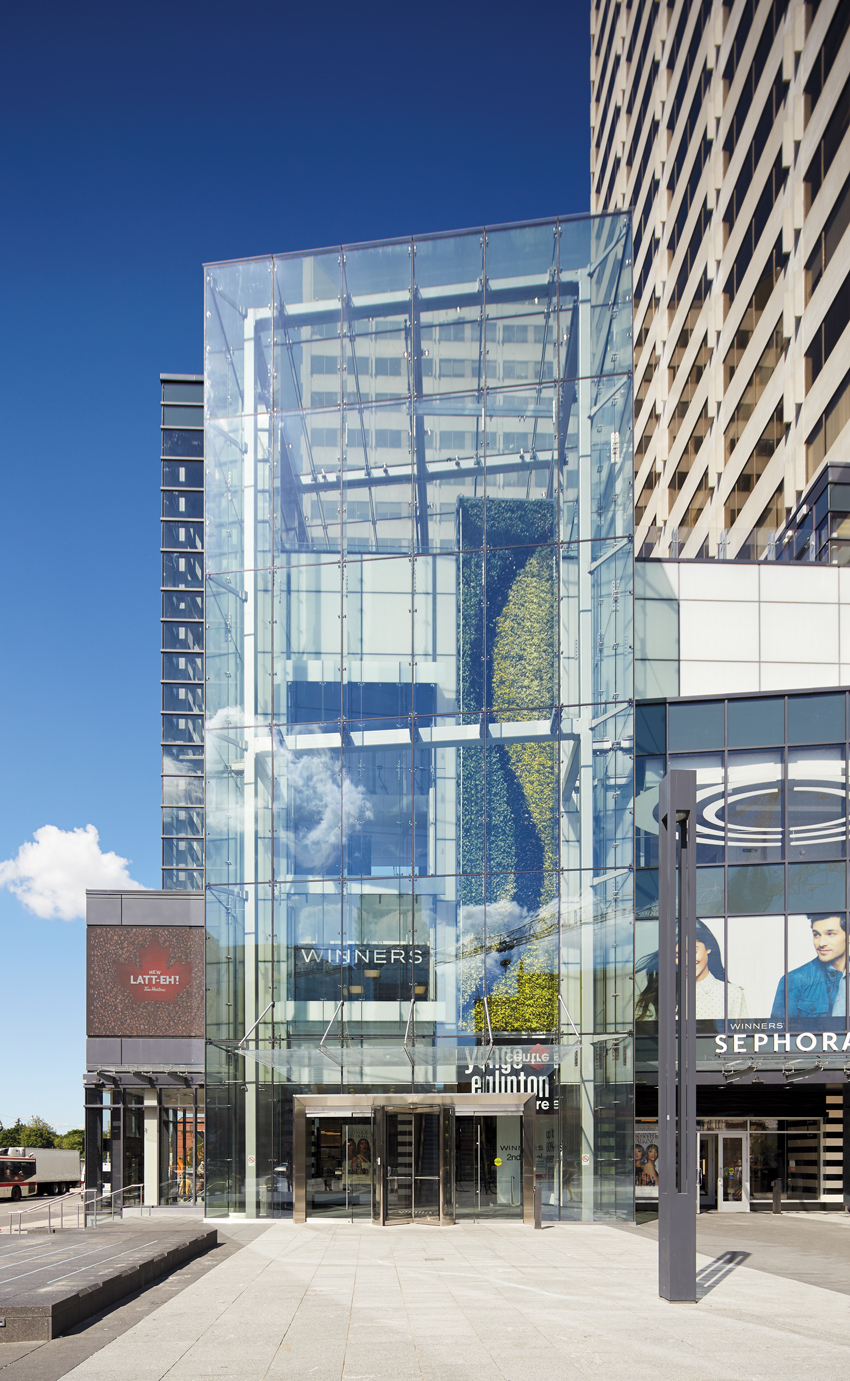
[365, 973]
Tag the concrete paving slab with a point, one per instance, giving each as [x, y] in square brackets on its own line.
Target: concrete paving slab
[501, 1303]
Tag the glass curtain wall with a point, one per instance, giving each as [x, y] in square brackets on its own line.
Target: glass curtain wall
[771, 851]
[419, 717]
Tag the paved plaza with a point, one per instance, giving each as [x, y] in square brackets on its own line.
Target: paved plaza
[343, 1302]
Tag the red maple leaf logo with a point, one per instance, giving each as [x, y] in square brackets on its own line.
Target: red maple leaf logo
[539, 1057]
[152, 980]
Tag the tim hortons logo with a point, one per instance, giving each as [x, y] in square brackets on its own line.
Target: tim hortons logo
[152, 980]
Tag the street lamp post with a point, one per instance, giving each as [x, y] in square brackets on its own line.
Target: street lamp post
[677, 1189]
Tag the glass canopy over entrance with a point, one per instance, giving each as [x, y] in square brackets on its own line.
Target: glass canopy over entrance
[419, 706]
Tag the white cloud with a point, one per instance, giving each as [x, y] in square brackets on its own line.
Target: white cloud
[49, 874]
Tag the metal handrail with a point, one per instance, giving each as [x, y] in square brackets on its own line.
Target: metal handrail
[93, 1209]
[51, 1203]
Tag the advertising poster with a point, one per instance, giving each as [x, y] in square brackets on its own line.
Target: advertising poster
[358, 1157]
[145, 981]
[646, 1160]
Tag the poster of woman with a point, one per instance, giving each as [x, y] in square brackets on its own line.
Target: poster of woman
[646, 1161]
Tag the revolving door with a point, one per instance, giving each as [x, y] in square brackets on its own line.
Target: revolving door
[408, 1158]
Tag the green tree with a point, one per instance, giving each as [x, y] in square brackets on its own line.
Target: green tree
[74, 1140]
[36, 1133]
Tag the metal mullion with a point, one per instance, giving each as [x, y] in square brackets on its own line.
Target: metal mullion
[484, 716]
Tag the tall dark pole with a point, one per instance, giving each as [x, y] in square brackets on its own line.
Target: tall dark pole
[677, 1043]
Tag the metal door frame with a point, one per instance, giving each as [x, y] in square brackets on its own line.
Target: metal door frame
[701, 1137]
[374, 1106]
[734, 1206]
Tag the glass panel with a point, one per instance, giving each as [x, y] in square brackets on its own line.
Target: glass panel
[757, 888]
[817, 967]
[521, 458]
[182, 572]
[610, 294]
[816, 885]
[239, 658]
[611, 452]
[182, 728]
[306, 501]
[376, 799]
[815, 718]
[238, 362]
[182, 853]
[185, 636]
[732, 1168]
[183, 474]
[710, 891]
[755, 807]
[307, 642]
[522, 304]
[755, 722]
[238, 498]
[448, 460]
[399, 1165]
[435, 633]
[710, 803]
[648, 774]
[176, 667]
[755, 964]
[188, 822]
[612, 583]
[182, 443]
[488, 1165]
[377, 635]
[386, 954]
[182, 606]
[817, 803]
[426, 1165]
[449, 278]
[695, 726]
[339, 1168]
[377, 478]
[185, 506]
[183, 417]
[183, 699]
[650, 728]
[238, 804]
[310, 817]
[307, 330]
[183, 536]
[186, 391]
[377, 347]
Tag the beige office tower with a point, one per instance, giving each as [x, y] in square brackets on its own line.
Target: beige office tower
[725, 128]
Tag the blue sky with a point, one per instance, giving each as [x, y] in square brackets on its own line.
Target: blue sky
[140, 142]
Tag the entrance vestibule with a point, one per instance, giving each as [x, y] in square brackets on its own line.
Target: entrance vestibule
[405, 1158]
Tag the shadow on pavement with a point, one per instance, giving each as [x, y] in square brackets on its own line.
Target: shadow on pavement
[718, 1270]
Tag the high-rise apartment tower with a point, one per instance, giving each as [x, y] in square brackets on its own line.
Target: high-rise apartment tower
[725, 128]
[182, 631]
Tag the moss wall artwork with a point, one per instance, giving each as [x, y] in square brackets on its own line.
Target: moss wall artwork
[508, 795]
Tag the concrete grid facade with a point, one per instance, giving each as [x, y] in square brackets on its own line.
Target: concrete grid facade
[724, 128]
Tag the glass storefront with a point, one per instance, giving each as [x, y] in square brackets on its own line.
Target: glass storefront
[419, 705]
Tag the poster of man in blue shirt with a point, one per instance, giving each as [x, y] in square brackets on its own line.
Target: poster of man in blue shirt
[817, 991]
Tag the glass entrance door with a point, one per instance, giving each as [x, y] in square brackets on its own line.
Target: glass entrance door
[707, 1171]
[340, 1153]
[413, 1166]
[733, 1179]
[488, 1166]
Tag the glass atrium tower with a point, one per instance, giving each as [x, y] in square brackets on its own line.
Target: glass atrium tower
[419, 726]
